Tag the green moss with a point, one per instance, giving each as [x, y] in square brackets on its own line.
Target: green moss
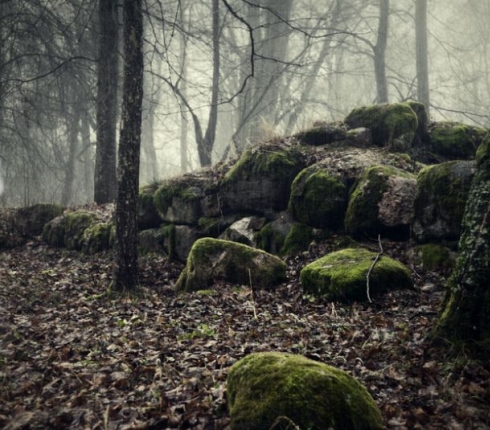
[168, 232]
[76, 224]
[436, 257]
[456, 140]
[212, 259]
[387, 122]
[483, 152]
[277, 390]
[318, 199]
[96, 238]
[257, 161]
[342, 275]
[297, 240]
[363, 208]
[269, 239]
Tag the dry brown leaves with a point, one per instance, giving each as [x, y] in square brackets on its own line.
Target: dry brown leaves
[72, 357]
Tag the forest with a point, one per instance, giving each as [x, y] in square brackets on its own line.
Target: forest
[206, 206]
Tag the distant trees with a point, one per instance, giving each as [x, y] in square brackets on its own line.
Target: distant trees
[421, 52]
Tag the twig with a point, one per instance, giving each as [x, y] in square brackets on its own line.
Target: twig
[372, 267]
[252, 288]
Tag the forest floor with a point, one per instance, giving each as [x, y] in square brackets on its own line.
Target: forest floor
[73, 357]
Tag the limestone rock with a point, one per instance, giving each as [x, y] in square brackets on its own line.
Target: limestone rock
[278, 390]
[387, 122]
[440, 201]
[96, 238]
[147, 212]
[68, 229]
[341, 276]
[381, 203]
[211, 260]
[318, 198]
[260, 182]
[322, 133]
[243, 230]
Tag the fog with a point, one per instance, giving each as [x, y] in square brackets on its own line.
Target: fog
[266, 71]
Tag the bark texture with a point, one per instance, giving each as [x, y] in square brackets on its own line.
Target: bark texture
[465, 315]
[380, 53]
[422, 53]
[126, 276]
[105, 180]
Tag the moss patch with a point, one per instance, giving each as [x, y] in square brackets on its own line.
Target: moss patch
[387, 122]
[96, 238]
[454, 140]
[318, 199]
[435, 257]
[297, 240]
[213, 259]
[277, 390]
[341, 275]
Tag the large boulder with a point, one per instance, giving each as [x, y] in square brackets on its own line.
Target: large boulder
[381, 203]
[455, 141]
[212, 260]
[147, 212]
[260, 182]
[440, 201]
[322, 133]
[243, 230]
[318, 198]
[68, 229]
[30, 221]
[97, 237]
[387, 122]
[280, 391]
[342, 275]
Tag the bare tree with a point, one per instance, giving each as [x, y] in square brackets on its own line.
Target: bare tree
[126, 275]
[422, 53]
[107, 82]
[380, 52]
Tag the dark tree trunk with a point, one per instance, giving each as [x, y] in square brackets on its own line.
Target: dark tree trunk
[380, 53]
[105, 180]
[73, 123]
[422, 53]
[465, 313]
[205, 145]
[126, 276]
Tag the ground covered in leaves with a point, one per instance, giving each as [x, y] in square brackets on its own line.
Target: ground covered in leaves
[73, 357]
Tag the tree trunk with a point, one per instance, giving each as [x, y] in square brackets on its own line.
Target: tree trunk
[73, 122]
[465, 313]
[422, 53]
[107, 80]
[380, 53]
[184, 118]
[87, 156]
[205, 146]
[126, 276]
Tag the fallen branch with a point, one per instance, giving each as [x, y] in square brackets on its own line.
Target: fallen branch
[372, 267]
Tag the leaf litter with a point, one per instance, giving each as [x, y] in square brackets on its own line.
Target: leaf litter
[73, 357]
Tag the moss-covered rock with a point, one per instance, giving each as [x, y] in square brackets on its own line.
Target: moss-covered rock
[67, 230]
[298, 239]
[322, 134]
[442, 192]
[341, 276]
[381, 203]
[30, 221]
[147, 212]
[260, 182]
[455, 141]
[422, 132]
[434, 256]
[387, 122]
[244, 230]
[211, 260]
[96, 238]
[284, 391]
[318, 198]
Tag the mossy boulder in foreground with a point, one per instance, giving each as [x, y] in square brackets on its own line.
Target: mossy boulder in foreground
[342, 275]
[67, 230]
[284, 391]
[211, 260]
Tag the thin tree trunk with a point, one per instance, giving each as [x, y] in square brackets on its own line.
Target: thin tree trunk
[422, 53]
[126, 275]
[205, 147]
[74, 127]
[380, 53]
[184, 118]
[87, 156]
[107, 81]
